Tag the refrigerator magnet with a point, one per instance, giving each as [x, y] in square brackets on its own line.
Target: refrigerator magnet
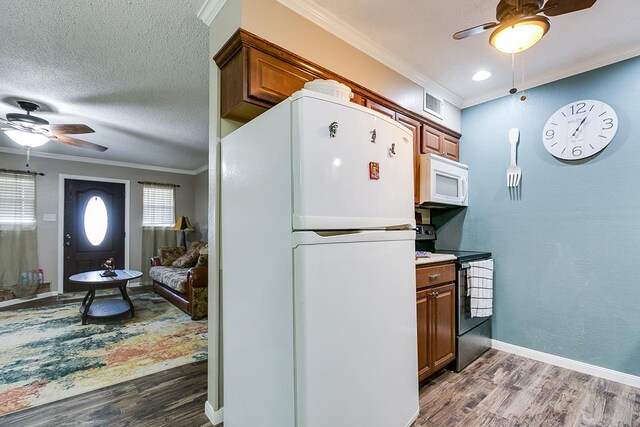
[374, 170]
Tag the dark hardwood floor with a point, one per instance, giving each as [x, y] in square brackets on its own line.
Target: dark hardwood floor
[174, 397]
[498, 390]
[503, 390]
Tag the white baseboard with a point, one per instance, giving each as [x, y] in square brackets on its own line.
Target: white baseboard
[216, 417]
[21, 300]
[574, 365]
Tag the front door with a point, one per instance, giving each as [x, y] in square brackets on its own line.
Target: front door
[94, 217]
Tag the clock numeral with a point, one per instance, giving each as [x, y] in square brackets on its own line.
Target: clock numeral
[550, 134]
[608, 122]
[577, 151]
[578, 108]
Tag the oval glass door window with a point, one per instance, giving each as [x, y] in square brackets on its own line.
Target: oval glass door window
[96, 220]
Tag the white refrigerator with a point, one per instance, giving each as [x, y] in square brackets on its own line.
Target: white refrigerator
[318, 274]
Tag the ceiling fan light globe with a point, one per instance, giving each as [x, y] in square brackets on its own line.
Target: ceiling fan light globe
[518, 36]
[26, 139]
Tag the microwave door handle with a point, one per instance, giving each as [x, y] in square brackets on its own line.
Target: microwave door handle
[463, 181]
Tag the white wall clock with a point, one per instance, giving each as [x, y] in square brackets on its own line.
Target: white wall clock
[580, 129]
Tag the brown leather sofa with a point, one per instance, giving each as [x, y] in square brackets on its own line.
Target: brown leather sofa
[186, 288]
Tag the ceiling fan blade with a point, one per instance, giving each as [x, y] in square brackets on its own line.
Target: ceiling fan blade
[64, 129]
[560, 7]
[77, 142]
[474, 30]
[12, 126]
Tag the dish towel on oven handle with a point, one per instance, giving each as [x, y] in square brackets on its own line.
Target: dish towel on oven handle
[480, 287]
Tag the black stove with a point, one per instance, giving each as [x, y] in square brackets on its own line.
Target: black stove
[473, 334]
[465, 256]
[426, 241]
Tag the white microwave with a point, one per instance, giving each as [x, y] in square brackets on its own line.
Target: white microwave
[443, 181]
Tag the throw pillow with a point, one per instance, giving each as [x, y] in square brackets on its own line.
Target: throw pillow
[196, 245]
[187, 260]
[203, 260]
[168, 254]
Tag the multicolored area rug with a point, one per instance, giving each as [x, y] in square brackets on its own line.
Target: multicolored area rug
[46, 354]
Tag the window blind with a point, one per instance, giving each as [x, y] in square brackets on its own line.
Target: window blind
[158, 205]
[17, 198]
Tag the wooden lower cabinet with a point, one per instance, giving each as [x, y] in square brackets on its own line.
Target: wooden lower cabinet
[435, 309]
[443, 340]
[424, 328]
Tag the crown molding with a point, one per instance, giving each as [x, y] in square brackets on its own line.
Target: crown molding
[209, 10]
[200, 169]
[336, 26]
[21, 152]
[570, 70]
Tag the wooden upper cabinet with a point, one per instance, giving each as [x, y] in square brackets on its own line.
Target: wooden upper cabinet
[440, 143]
[358, 99]
[256, 74]
[450, 147]
[430, 140]
[387, 111]
[273, 80]
[416, 129]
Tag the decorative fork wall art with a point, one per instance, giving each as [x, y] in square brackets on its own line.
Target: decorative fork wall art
[514, 173]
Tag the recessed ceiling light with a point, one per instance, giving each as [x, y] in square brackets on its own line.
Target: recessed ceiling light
[481, 75]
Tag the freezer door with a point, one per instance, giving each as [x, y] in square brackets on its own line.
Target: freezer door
[355, 323]
[352, 167]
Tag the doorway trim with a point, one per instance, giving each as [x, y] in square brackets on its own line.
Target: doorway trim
[61, 180]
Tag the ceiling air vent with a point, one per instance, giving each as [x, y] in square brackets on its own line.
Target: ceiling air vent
[432, 105]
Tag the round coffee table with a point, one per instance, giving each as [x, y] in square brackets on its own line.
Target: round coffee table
[105, 307]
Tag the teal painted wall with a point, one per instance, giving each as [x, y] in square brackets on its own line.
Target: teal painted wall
[567, 252]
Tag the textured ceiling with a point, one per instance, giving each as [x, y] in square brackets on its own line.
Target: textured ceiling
[420, 34]
[136, 71]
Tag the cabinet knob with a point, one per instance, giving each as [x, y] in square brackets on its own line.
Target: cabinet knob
[434, 276]
[434, 294]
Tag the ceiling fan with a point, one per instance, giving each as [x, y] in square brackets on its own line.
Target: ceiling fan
[31, 131]
[520, 24]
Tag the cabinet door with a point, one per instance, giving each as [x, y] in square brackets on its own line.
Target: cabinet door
[380, 108]
[431, 140]
[415, 128]
[424, 328]
[273, 80]
[450, 147]
[443, 341]
[358, 99]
